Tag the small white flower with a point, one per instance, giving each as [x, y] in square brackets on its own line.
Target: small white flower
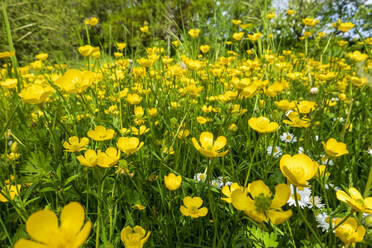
[340, 119]
[314, 90]
[276, 152]
[323, 221]
[228, 183]
[316, 201]
[325, 161]
[369, 151]
[316, 137]
[217, 183]
[200, 177]
[332, 186]
[301, 150]
[303, 197]
[288, 138]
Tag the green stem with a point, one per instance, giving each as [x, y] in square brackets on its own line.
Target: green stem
[305, 220]
[6, 232]
[87, 31]
[251, 162]
[369, 182]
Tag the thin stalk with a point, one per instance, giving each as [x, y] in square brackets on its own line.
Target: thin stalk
[6, 232]
[251, 162]
[305, 220]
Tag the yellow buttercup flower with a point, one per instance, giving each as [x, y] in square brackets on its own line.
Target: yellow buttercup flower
[42, 56]
[291, 12]
[346, 26]
[176, 43]
[306, 107]
[45, 231]
[236, 22]
[121, 46]
[209, 147]
[258, 203]
[152, 112]
[93, 21]
[334, 148]
[172, 182]
[108, 158]
[285, 105]
[36, 93]
[245, 26]
[86, 50]
[89, 159]
[7, 54]
[355, 200]
[129, 145]
[310, 21]
[133, 99]
[298, 169]
[357, 56]
[9, 83]
[194, 32]
[75, 81]
[142, 130]
[296, 121]
[134, 237]
[9, 190]
[270, 16]
[73, 144]
[204, 48]
[100, 133]
[228, 190]
[238, 36]
[254, 37]
[350, 231]
[262, 124]
[144, 29]
[191, 207]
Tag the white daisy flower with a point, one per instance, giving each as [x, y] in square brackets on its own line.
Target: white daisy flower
[276, 152]
[288, 138]
[301, 150]
[369, 151]
[323, 221]
[217, 183]
[316, 201]
[314, 90]
[200, 177]
[303, 197]
[228, 183]
[340, 119]
[316, 137]
[325, 161]
[331, 186]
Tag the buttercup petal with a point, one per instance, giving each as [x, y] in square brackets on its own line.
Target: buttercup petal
[206, 140]
[282, 194]
[25, 243]
[72, 217]
[42, 225]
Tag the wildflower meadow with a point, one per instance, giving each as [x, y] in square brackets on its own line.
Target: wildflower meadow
[209, 138]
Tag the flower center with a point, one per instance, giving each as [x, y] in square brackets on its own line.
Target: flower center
[262, 202]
